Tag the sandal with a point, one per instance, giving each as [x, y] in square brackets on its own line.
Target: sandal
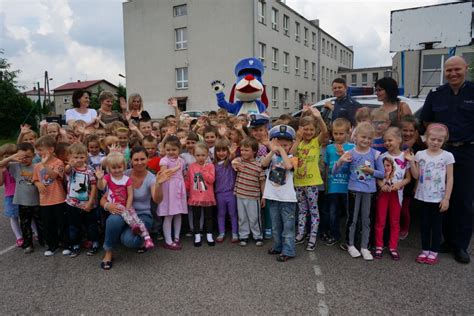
[283, 258]
[299, 240]
[172, 246]
[395, 255]
[378, 253]
[106, 265]
[272, 251]
[311, 246]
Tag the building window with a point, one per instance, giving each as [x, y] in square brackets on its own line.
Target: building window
[297, 103]
[181, 36]
[323, 72]
[261, 11]
[274, 58]
[335, 52]
[324, 46]
[305, 68]
[313, 40]
[432, 72]
[275, 97]
[297, 31]
[354, 80]
[305, 36]
[286, 94]
[344, 77]
[332, 50]
[261, 52]
[182, 78]
[375, 77]
[327, 48]
[331, 76]
[340, 56]
[274, 19]
[286, 60]
[469, 57]
[286, 25]
[313, 71]
[327, 75]
[180, 10]
[313, 97]
[297, 65]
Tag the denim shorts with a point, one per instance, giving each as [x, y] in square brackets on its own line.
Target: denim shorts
[10, 209]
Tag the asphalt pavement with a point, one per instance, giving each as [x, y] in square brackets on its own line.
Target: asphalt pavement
[234, 280]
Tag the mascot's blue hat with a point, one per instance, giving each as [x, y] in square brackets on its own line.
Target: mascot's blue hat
[249, 66]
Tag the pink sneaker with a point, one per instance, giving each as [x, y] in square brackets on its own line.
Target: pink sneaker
[149, 243]
[432, 259]
[19, 242]
[136, 230]
[421, 258]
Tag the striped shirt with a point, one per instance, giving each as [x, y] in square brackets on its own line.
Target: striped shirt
[247, 183]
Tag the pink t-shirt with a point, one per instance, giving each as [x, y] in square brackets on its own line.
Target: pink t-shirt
[200, 184]
[9, 183]
[117, 189]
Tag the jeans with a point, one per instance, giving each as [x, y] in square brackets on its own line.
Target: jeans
[283, 226]
[117, 230]
[77, 218]
[336, 203]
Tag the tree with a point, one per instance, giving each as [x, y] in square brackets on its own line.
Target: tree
[15, 107]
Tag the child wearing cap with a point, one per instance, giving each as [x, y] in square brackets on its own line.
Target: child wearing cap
[280, 193]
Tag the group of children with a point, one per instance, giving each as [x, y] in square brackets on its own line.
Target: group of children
[291, 182]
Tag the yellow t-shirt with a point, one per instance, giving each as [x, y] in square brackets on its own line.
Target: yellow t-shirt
[307, 172]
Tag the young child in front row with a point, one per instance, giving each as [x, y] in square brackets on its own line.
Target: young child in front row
[249, 187]
[81, 200]
[120, 191]
[336, 196]
[225, 182]
[200, 184]
[389, 198]
[48, 178]
[280, 194]
[365, 166]
[174, 193]
[433, 167]
[307, 174]
[26, 194]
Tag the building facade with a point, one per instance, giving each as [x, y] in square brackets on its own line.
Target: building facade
[423, 69]
[63, 93]
[364, 77]
[176, 48]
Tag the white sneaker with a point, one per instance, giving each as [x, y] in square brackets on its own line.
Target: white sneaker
[353, 252]
[66, 252]
[49, 253]
[366, 254]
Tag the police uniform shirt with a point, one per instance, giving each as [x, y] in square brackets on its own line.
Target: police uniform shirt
[345, 107]
[455, 111]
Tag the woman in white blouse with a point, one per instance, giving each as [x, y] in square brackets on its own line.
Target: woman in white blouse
[81, 111]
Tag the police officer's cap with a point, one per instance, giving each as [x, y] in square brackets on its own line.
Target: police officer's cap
[282, 131]
[258, 119]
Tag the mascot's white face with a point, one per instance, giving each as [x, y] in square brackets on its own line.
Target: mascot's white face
[248, 89]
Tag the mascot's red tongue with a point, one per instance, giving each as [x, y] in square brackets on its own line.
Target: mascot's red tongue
[248, 89]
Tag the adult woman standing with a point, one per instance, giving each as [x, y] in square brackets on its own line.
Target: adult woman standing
[106, 114]
[386, 90]
[145, 188]
[81, 111]
[135, 108]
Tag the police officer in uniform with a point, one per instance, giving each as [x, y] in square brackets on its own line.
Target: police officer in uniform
[344, 106]
[453, 105]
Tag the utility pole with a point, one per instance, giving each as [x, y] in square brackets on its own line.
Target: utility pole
[39, 101]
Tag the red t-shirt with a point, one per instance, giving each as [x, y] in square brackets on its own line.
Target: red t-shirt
[153, 164]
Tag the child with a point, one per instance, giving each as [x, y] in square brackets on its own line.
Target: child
[411, 142]
[307, 174]
[210, 137]
[389, 199]
[364, 168]
[26, 194]
[144, 125]
[249, 186]
[200, 185]
[81, 199]
[188, 156]
[123, 134]
[433, 167]
[27, 135]
[120, 191]
[259, 130]
[280, 193]
[151, 145]
[225, 181]
[95, 155]
[381, 122]
[6, 179]
[337, 183]
[174, 193]
[48, 178]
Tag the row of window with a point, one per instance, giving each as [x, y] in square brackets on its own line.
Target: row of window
[331, 50]
[364, 77]
[286, 62]
[261, 13]
[298, 98]
[327, 75]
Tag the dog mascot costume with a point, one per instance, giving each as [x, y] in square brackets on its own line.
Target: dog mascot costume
[248, 89]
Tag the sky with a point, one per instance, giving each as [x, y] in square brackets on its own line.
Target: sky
[83, 39]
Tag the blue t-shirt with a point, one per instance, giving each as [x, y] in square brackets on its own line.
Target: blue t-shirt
[337, 182]
[378, 144]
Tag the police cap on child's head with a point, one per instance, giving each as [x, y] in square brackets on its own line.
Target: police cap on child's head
[282, 131]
